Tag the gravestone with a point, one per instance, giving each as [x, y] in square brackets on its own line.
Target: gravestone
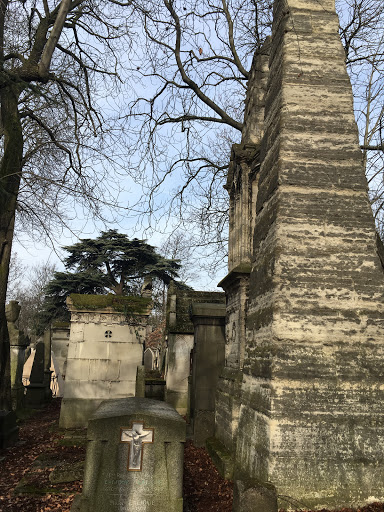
[134, 460]
[47, 340]
[18, 344]
[306, 413]
[105, 348]
[149, 359]
[36, 394]
[60, 343]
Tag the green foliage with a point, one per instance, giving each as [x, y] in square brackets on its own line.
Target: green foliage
[98, 266]
[118, 261]
[57, 291]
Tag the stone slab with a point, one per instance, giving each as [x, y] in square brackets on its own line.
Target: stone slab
[221, 457]
[143, 477]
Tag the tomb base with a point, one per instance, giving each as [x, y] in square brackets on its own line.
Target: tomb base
[8, 429]
[203, 427]
[155, 389]
[251, 496]
[75, 412]
[178, 400]
[18, 397]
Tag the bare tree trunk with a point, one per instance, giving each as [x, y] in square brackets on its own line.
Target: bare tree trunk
[10, 173]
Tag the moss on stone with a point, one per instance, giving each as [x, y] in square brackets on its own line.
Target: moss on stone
[61, 325]
[123, 304]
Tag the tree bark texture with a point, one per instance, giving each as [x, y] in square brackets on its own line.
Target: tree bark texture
[10, 174]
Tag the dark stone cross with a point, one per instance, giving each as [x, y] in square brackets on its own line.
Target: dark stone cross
[136, 436]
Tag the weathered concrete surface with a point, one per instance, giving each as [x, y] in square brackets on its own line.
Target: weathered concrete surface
[311, 415]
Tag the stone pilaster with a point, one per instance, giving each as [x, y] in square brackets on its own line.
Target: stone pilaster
[242, 186]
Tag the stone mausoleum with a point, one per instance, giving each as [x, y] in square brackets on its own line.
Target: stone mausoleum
[105, 348]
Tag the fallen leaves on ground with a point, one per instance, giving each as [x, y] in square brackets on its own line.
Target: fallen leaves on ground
[29, 461]
[38, 435]
[204, 489]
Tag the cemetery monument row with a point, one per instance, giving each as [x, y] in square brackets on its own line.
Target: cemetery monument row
[300, 399]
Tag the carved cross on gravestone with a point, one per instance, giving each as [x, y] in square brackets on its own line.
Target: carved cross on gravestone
[136, 436]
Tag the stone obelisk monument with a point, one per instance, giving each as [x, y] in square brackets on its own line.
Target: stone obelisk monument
[310, 415]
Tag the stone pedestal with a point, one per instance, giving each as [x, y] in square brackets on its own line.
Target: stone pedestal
[208, 361]
[17, 387]
[36, 396]
[134, 460]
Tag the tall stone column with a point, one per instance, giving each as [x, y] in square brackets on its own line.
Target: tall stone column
[311, 417]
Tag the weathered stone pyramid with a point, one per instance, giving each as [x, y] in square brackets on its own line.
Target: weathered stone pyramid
[304, 392]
